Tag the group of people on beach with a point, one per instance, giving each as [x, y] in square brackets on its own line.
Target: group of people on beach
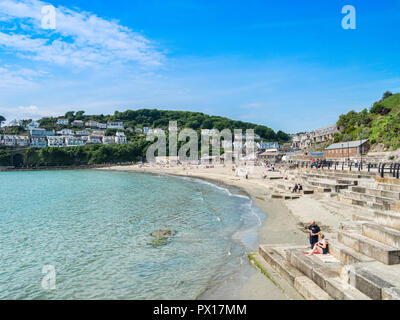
[298, 188]
[318, 243]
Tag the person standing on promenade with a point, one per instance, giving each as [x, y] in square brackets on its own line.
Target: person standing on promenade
[314, 231]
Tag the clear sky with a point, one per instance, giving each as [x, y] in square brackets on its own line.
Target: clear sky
[287, 64]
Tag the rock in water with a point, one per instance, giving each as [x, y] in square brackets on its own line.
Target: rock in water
[162, 233]
[161, 237]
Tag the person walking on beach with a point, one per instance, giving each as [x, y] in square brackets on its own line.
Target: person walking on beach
[314, 231]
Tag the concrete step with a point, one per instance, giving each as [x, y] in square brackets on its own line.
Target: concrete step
[328, 185]
[345, 254]
[388, 219]
[339, 290]
[389, 187]
[371, 248]
[322, 189]
[357, 217]
[367, 197]
[279, 263]
[391, 293]
[309, 290]
[376, 192]
[362, 203]
[332, 178]
[326, 276]
[284, 196]
[369, 281]
[382, 234]
[339, 174]
[288, 186]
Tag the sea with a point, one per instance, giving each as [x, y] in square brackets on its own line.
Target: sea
[86, 234]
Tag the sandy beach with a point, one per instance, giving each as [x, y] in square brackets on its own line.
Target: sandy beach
[285, 223]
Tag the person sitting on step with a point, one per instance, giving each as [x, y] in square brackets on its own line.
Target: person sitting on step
[321, 247]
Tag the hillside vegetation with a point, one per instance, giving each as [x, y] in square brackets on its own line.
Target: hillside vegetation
[380, 124]
[160, 119]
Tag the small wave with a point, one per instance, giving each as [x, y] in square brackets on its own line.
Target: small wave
[226, 190]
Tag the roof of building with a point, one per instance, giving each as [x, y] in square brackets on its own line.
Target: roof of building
[264, 154]
[348, 144]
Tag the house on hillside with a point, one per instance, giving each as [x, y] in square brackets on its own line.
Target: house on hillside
[14, 140]
[15, 123]
[77, 123]
[108, 140]
[38, 142]
[95, 139]
[271, 156]
[268, 145]
[92, 124]
[121, 138]
[347, 150]
[62, 122]
[146, 130]
[66, 132]
[115, 125]
[74, 141]
[55, 141]
[82, 133]
[40, 132]
[32, 125]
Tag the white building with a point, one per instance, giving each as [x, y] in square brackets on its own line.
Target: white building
[115, 125]
[15, 123]
[99, 133]
[209, 132]
[82, 133]
[38, 142]
[62, 122]
[8, 140]
[55, 141]
[155, 131]
[108, 140]
[13, 140]
[40, 132]
[139, 130]
[33, 125]
[66, 132]
[22, 141]
[321, 135]
[146, 130]
[77, 123]
[74, 141]
[92, 124]
[121, 138]
[95, 140]
[102, 125]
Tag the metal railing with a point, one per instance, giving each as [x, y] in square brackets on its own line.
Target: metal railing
[383, 169]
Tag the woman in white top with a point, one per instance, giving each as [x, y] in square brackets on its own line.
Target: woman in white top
[321, 247]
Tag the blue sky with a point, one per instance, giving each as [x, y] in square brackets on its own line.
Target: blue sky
[287, 64]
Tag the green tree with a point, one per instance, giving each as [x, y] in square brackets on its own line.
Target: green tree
[2, 119]
[386, 95]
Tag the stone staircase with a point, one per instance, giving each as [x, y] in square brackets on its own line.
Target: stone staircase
[381, 196]
[367, 249]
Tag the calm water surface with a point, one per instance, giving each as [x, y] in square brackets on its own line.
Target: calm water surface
[94, 228]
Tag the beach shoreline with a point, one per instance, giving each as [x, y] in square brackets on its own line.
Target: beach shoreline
[248, 284]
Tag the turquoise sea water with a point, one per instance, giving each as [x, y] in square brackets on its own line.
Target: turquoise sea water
[94, 228]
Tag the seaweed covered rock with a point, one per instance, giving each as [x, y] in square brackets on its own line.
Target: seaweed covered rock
[161, 237]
